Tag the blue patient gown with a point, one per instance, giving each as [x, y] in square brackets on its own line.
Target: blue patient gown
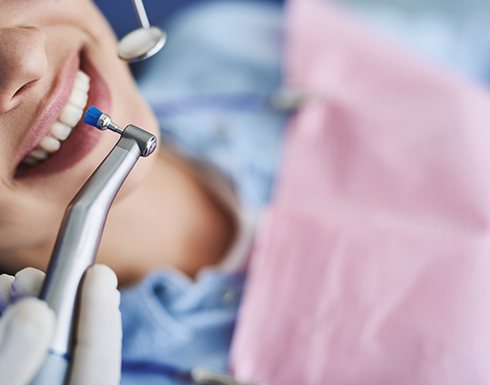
[209, 88]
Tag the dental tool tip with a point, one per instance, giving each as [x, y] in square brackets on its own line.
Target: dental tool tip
[95, 117]
[92, 116]
[147, 142]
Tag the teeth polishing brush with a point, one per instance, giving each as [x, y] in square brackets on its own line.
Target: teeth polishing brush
[79, 237]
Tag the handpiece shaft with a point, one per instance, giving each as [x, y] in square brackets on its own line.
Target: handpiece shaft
[79, 237]
[75, 250]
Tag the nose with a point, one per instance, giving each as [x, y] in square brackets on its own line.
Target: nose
[23, 61]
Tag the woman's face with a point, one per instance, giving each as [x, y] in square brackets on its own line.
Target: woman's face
[43, 46]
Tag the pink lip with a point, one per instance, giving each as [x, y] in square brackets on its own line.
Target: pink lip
[83, 138]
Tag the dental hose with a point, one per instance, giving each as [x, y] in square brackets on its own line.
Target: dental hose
[79, 237]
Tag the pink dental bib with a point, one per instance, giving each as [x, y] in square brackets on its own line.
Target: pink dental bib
[372, 266]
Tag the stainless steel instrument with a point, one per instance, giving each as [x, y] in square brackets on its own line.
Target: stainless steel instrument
[79, 237]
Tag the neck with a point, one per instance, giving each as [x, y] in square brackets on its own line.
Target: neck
[170, 221]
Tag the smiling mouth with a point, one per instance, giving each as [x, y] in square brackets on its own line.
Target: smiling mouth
[61, 129]
[60, 139]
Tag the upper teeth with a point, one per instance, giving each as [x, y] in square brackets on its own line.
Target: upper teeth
[62, 128]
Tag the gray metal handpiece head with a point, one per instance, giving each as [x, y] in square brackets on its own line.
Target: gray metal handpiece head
[147, 142]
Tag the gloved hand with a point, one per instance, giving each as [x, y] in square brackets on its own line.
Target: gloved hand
[27, 325]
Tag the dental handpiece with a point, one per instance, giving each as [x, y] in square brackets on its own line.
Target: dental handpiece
[79, 237]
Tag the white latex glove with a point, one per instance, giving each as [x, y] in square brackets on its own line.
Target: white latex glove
[26, 329]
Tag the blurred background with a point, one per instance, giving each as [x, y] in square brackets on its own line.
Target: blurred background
[454, 33]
